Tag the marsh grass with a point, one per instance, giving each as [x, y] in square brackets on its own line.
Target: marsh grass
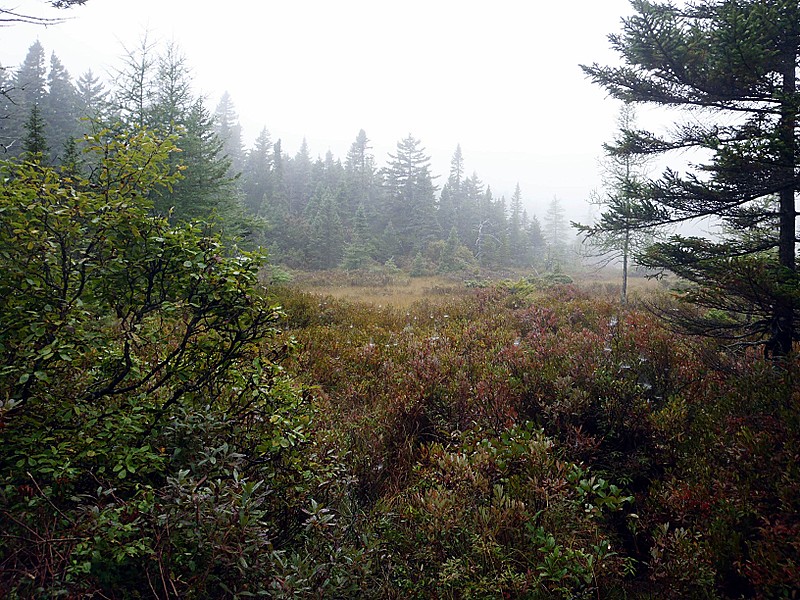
[382, 288]
[399, 291]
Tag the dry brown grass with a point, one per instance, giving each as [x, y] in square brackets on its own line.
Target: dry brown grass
[399, 291]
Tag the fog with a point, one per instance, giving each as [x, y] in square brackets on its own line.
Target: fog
[501, 79]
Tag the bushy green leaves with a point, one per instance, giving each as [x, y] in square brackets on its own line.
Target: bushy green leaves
[138, 378]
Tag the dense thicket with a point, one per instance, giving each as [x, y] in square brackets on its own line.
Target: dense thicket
[517, 442]
[148, 435]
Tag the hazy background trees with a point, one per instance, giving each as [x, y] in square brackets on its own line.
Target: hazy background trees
[310, 212]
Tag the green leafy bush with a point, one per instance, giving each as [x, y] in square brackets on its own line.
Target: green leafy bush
[150, 439]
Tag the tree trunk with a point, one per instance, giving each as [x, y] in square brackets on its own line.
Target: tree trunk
[624, 294]
[780, 343]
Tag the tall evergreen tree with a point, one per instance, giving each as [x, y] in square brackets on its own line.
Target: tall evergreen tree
[516, 236]
[737, 60]
[205, 188]
[60, 110]
[327, 234]
[134, 87]
[92, 95]
[172, 99]
[456, 176]
[389, 246]
[358, 251]
[555, 231]
[256, 173]
[299, 181]
[452, 211]
[30, 84]
[34, 143]
[29, 89]
[410, 193]
[279, 195]
[360, 164]
[535, 238]
[229, 131]
[92, 101]
[360, 174]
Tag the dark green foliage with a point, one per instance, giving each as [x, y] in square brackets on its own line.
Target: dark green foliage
[262, 193]
[410, 199]
[256, 174]
[454, 256]
[24, 90]
[150, 440]
[737, 61]
[358, 253]
[326, 241]
[60, 109]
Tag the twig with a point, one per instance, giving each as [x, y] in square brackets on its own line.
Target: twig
[50, 502]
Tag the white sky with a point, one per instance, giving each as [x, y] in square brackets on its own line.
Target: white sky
[501, 78]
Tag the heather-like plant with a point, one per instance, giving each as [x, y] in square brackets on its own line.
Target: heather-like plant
[677, 452]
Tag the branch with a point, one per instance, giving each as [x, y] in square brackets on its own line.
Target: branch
[7, 17]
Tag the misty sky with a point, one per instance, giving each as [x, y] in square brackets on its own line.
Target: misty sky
[500, 78]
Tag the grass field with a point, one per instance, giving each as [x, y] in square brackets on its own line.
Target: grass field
[402, 291]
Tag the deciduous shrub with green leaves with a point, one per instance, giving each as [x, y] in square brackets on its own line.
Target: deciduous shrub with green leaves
[150, 440]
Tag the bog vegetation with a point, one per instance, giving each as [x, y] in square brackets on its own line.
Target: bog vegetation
[180, 419]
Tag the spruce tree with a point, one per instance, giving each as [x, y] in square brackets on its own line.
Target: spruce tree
[327, 235]
[360, 179]
[172, 98]
[256, 173]
[299, 181]
[34, 144]
[60, 108]
[537, 244]
[29, 89]
[389, 243]
[451, 210]
[554, 234]
[92, 102]
[736, 61]
[617, 235]
[358, 252]
[411, 195]
[229, 130]
[30, 82]
[518, 245]
[134, 87]
[451, 260]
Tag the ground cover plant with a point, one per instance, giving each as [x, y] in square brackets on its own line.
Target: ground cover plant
[521, 441]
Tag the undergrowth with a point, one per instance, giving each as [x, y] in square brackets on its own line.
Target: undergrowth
[520, 442]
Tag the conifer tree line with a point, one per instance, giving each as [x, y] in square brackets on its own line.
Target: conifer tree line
[318, 213]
